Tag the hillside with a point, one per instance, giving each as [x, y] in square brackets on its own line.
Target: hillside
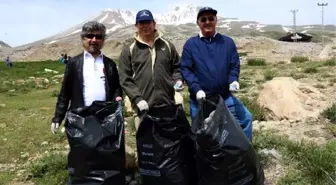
[176, 25]
[5, 49]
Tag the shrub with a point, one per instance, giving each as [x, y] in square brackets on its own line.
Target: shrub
[241, 54]
[256, 62]
[319, 86]
[50, 169]
[297, 75]
[314, 163]
[330, 62]
[299, 59]
[243, 84]
[310, 70]
[269, 75]
[330, 113]
[54, 93]
[258, 113]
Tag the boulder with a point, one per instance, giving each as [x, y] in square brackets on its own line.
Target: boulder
[286, 98]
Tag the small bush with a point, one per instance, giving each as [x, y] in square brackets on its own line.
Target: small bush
[297, 75]
[299, 59]
[319, 86]
[241, 54]
[314, 163]
[269, 75]
[332, 129]
[310, 70]
[256, 62]
[50, 169]
[54, 93]
[258, 113]
[330, 113]
[243, 84]
[330, 62]
[186, 103]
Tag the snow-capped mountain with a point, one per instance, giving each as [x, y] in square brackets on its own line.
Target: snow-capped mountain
[180, 15]
[178, 23]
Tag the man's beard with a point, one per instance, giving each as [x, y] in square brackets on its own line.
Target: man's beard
[94, 48]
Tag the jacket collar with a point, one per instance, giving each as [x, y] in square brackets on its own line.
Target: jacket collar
[87, 54]
[201, 35]
[157, 36]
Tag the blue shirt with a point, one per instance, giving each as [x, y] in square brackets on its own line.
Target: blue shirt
[210, 65]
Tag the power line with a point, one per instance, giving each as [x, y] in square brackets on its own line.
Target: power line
[294, 24]
[322, 25]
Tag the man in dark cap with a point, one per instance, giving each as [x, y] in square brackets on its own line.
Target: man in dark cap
[210, 65]
[149, 68]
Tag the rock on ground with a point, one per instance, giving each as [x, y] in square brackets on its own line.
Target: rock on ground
[286, 98]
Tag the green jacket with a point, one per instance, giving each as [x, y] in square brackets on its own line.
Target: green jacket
[149, 73]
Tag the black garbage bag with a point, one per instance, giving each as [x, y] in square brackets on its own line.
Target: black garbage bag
[224, 155]
[97, 144]
[165, 149]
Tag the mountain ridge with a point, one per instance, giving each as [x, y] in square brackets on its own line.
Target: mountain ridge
[120, 25]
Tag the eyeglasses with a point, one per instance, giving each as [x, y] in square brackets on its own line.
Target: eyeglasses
[98, 36]
[210, 18]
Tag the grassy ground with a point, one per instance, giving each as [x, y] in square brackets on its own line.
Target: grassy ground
[27, 145]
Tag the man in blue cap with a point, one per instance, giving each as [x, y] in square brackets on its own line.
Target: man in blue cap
[210, 65]
[149, 68]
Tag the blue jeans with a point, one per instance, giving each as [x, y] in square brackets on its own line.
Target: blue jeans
[238, 110]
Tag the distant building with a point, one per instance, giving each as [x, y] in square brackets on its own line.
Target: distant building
[299, 37]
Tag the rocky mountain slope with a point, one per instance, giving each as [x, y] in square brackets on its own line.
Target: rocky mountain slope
[5, 49]
[176, 25]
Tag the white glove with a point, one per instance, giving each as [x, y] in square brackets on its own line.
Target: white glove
[54, 127]
[234, 86]
[200, 95]
[143, 105]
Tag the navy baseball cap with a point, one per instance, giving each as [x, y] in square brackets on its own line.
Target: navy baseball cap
[144, 15]
[206, 9]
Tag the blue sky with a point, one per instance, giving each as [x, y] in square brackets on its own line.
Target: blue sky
[24, 21]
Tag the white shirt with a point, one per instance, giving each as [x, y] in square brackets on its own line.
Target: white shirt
[93, 79]
[201, 35]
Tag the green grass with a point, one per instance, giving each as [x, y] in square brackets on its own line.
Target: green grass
[241, 54]
[27, 118]
[50, 169]
[310, 70]
[17, 78]
[313, 163]
[330, 62]
[330, 113]
[258, 113]
[22, 70]
[25, 124]
[269, 75]
[299, 59]
[6, 177]
[256, 62]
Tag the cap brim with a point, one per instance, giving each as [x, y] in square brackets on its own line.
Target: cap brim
[144, 19]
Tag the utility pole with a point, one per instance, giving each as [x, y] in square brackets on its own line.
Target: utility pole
[322, 25]
[294, 24]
